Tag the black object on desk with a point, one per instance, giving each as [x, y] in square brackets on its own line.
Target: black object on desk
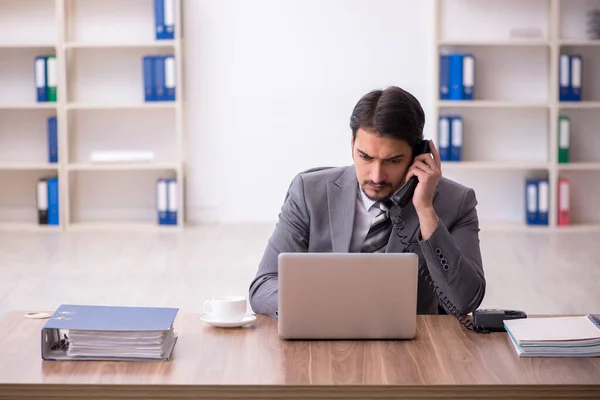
[493, 319]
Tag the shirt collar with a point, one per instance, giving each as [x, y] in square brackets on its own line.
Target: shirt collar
[367, 202]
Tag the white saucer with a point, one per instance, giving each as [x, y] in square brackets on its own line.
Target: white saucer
[249, 318]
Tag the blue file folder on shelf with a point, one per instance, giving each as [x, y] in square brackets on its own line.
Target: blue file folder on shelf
[53, 206]
[164, 17]
[83, 332]
[444, 77]
[172, 205]
[170, 83]
[52, 140]
[455, 78]
[468, 81]
[162, 199]
[40, 79]
[444, 137]
[456, 137]
[148, 73]
[537, 201]
[159, 78]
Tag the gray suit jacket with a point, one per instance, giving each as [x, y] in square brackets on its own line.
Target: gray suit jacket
[318, 216]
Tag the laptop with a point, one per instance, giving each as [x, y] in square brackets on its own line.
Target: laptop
[347, 295]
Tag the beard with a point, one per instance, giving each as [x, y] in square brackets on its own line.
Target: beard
[384, 192]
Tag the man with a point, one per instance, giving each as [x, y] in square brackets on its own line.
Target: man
[347, 209]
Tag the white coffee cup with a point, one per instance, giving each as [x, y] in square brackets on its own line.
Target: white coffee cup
[226, 308]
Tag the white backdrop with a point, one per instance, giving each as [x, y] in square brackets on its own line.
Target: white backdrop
[270, 86]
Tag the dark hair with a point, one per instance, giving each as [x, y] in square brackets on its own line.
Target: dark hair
[392, 112]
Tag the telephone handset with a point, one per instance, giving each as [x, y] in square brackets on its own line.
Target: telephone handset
[401, 199]
[406, 192]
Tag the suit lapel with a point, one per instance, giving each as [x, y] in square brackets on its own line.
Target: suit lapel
[341, 200]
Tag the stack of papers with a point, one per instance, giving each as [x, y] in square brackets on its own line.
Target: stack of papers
[109, 333]
[555, 337]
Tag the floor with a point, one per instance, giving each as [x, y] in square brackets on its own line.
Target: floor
[531, 271]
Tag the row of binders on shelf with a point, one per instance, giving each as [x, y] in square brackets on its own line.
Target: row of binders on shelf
[450, 137]
[164, 19]
[45, 78]
[47, 201]
[570, 77]
[166, 201]
[538, 201]
[457, 76]
[159, 78]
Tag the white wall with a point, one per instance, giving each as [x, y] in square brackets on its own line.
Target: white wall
[270, 86]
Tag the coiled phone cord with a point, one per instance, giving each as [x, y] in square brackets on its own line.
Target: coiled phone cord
[398, 227]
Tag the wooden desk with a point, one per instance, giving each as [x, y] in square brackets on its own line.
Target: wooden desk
[445, 361]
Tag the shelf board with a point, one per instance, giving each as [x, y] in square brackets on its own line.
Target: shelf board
[496, 43]
[27, 46]
[124, 45]
[579, 104]
[579, 42]
[123, 226]
[133, 166]
[27, 227]
[28, 106]
[493, 226]
[580, 166]
[491, 104]
[493, 165]
[584, 227]
[122, 106]
[16, 166]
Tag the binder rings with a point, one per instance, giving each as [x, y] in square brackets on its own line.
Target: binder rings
[564, 208]
[81, 332]
[564, 139]
[52, 140]
[444, 139]
[40, 79]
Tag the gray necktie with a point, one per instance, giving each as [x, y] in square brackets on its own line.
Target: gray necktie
[379, 233]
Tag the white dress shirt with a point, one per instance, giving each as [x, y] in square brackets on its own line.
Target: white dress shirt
[364, 212]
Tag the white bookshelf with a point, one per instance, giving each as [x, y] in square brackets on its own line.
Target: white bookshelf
[510, 129]
[99, 45]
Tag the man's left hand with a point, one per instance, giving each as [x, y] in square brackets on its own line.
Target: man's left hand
[428, 170]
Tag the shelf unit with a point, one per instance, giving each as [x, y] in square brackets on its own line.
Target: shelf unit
[99, 45]
[510, 129]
